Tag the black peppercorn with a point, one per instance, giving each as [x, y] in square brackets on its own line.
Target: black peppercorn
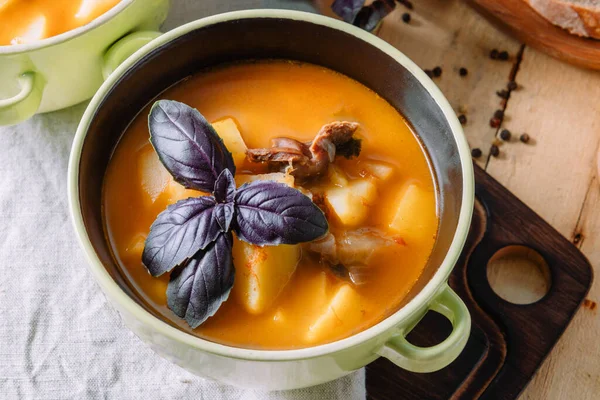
[437, 71]
[429, 73]
[503, 55]
[495, 122]
[524, 138]
[494, 150]
[499, 114]
[494, 54]
[512, 85]
[463, 71]
[505, 135]
[406, 17]
[476, 153]
[503, 93]
[462, 118]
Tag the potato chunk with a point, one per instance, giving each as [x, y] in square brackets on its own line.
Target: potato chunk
[175, 192]
[157, 181]
[135, 248]
[275, 176]
[351, 204]
[336, 176]
[413, 218]
[343, 312]
[229, 132]
[315, 287]
[261, 273]
[378, 169]
[153, 176]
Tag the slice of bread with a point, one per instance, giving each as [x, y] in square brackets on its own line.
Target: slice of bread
[580, 17]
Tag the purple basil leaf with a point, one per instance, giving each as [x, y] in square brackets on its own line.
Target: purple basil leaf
[271, 213]
[179, 232]
[187, 145]
[347, 9]
[225, 187]
[223, 214]
[197, 290]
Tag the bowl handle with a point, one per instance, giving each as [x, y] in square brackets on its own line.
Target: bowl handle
[428, 359]
[24, 104]
[125, 47]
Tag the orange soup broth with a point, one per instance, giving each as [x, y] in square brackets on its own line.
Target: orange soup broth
[270, 99]
[22, 21]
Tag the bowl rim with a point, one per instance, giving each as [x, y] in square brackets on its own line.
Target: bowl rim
[425, 296]
[9, 49]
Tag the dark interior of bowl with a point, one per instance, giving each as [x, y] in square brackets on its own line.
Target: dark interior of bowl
[270, 38]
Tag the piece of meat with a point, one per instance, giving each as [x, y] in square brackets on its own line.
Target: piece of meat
[308, 160]
[276, 155]
[358, 247]
[348, 254]
[326, 248]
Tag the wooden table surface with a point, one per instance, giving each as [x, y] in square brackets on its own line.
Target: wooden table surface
[557, 104]
[556, 174]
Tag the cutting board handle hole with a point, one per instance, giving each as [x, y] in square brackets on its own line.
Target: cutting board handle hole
[423, 336]
[519, 274]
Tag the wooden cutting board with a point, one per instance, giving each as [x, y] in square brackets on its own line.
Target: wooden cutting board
[519, 19]
[508, 342]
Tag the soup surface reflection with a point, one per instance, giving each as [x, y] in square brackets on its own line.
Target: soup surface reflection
[381, 206]
[25, 21]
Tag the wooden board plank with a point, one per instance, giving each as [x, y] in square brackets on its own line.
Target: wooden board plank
[449, 34]
[576, 359]
[556, 105]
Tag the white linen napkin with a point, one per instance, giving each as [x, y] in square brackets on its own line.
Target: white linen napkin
[59, 338]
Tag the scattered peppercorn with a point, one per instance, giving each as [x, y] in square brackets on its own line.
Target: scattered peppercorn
[524, 138]
[462, 118]
[476, 153]
[437, 71]
[505, 135]
[429, 73]
[463, 71]
[590, 304]
[503, 93]
[495, 122]
[494, 150]
[503, 55]
[512, 85]
[406, 17]
[499, 114]
[494, 54]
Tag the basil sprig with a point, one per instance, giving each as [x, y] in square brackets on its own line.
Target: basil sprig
[192, 238]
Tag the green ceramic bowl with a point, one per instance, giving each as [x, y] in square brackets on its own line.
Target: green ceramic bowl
[319, 40]
[67, 69]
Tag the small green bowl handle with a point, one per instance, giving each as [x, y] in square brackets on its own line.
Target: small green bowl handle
[429, 359]
[125, 47]
[24, 104]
